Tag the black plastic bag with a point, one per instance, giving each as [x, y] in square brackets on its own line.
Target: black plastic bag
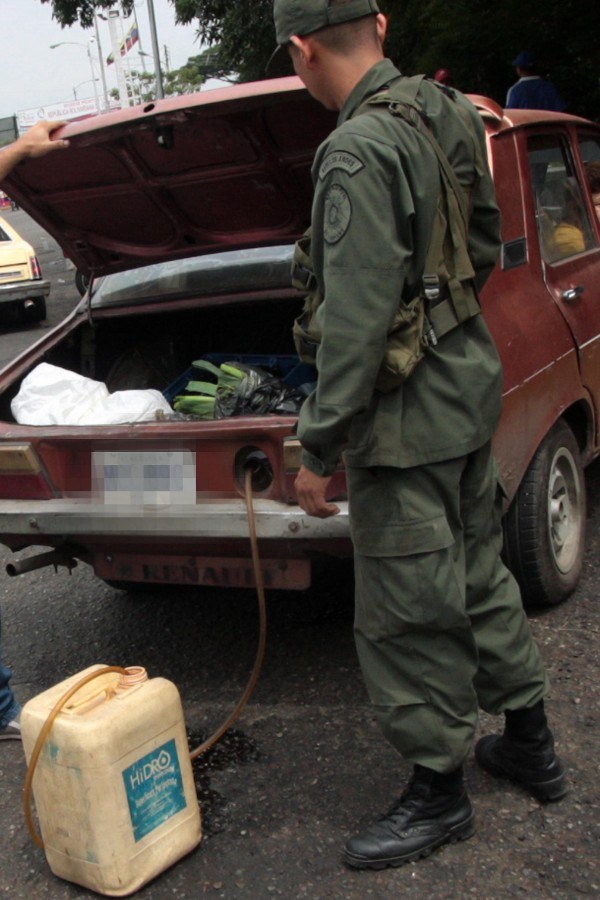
[256, 393]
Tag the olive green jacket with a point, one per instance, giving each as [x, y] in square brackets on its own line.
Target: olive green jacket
[376, 186]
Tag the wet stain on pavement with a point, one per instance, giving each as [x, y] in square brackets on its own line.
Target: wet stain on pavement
[232, 750]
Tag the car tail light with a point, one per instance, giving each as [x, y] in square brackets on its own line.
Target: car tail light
[36, 271]
[292, 454]
[292, 457]
[292, 461]
[22, 476]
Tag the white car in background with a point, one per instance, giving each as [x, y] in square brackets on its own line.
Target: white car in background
[21, 283]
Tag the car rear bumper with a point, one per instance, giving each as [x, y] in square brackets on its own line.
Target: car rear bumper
[223, 519]
[22, 290]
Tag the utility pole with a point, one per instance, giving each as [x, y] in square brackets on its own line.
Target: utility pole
[101, 62]
[155, 51]
[114, 16]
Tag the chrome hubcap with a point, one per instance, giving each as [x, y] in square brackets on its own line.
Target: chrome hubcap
[564, 510]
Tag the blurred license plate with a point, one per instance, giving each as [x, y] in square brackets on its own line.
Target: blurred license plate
[144, 478]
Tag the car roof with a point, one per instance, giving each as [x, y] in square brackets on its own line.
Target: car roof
[498, 119]
[13, 235]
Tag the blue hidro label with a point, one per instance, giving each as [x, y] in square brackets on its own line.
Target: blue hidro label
[154, 789]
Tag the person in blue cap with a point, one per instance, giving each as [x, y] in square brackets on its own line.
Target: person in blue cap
[532, 91]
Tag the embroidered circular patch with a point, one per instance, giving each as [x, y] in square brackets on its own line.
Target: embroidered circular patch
[338, 213]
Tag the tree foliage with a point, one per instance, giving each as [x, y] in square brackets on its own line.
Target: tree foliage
[244, 32]
[476, 39]
[141, 85]
[67, 12]
[479, 39]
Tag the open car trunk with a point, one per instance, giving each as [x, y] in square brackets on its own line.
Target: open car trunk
[135, 339]
[78, 487]
[182, 213]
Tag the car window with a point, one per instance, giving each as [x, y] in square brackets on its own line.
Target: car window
[563, 223]
[590, 153]
[3, 235]
[259, 268]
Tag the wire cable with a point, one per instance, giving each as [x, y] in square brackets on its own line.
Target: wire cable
[262, 640]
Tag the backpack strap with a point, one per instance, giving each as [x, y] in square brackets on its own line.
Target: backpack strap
[461, 303]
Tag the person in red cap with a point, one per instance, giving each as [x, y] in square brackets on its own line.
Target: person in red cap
[444, 76]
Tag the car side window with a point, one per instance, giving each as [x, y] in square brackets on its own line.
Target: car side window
[590, 153]
[563, 222]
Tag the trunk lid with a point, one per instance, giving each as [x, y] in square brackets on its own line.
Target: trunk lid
[216, 170]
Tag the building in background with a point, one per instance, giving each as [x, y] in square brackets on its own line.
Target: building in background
[8, 130]
[69, 110]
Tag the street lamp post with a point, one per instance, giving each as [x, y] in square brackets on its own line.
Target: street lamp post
[89, 53]
[101, 62]
[81, 83]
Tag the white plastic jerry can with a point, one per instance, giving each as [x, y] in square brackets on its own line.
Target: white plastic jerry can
[113, 787]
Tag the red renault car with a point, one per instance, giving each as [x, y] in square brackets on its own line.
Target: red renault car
[183, 214]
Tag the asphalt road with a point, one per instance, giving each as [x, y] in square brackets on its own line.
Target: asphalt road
[60, 272]
[305, 765]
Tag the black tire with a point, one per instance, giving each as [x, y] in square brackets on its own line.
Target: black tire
[544, 528]
[81, 282]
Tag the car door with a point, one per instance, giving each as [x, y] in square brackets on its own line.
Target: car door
[569, 239]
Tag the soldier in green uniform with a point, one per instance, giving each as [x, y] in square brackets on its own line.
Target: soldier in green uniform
[439, 625]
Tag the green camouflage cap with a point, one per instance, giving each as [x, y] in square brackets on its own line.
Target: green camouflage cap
[305, 16]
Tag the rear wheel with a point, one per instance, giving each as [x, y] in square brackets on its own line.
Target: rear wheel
[545, 525]
[82, 282]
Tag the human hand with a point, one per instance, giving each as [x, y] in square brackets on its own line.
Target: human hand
[37, 142]
[310, 491]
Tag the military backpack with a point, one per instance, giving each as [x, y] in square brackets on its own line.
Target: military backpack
[447, 295]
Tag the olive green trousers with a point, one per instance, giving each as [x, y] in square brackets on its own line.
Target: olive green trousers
[439, 624]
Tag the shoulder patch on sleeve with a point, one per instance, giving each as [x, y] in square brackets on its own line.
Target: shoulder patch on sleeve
[337, 214]
[340, 159]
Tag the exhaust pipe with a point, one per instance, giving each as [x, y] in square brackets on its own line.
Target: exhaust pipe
[51, 558]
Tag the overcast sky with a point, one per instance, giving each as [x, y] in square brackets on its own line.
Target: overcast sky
[31, 74]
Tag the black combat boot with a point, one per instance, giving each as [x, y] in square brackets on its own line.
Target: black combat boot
[433, 810]
[525, 754]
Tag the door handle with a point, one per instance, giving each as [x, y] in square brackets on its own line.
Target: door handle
[572, 293]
